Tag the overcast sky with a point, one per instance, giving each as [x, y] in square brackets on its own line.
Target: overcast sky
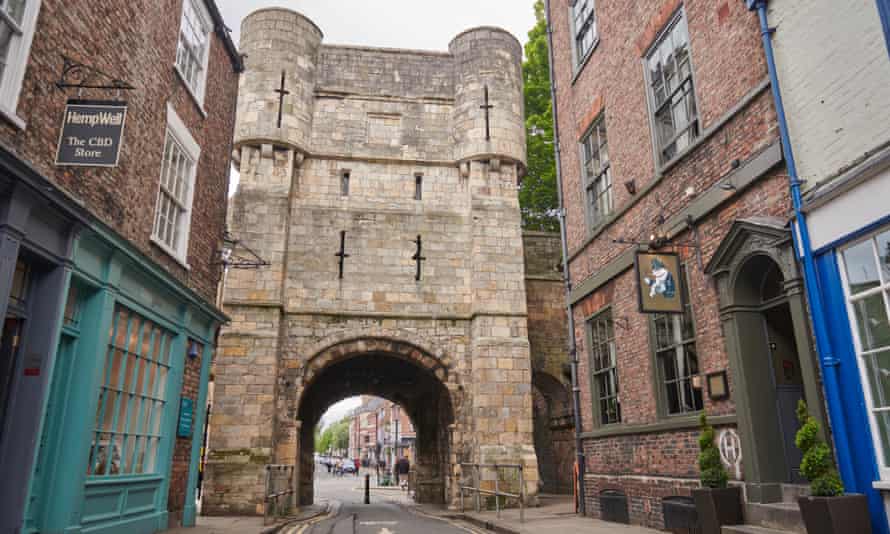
[419, 24]
[423, 24]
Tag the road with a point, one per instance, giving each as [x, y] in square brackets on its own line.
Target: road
[387, 513]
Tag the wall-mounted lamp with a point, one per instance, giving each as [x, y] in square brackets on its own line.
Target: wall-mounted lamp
[718, 386]
[193, 350]
[631, 186]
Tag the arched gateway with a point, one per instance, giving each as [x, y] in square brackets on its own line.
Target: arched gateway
[381, 187]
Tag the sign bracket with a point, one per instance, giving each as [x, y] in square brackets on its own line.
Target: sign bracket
[80, 76]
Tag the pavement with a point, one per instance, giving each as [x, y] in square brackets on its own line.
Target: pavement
[339, 509]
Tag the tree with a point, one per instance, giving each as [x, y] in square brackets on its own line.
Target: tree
[713, 474]
[334, 438]
[538, 199]
[817, 465]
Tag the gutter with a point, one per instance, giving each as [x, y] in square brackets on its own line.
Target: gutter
[830, 364]
[573, 348]
[219, 26]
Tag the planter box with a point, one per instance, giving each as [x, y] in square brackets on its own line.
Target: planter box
[845, 514]
[718, 507]
[679, 513]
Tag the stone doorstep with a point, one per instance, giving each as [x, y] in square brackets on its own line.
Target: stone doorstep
[749, 529]
[784, 516]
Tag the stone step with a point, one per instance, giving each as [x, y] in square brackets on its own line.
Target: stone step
[750, 529]
[783, 516]
[791, 492]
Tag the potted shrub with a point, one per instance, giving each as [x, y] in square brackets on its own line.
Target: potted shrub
[716, 503]
[828, 510]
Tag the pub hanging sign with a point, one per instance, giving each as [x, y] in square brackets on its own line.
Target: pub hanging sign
[92, 133]
[658, 282]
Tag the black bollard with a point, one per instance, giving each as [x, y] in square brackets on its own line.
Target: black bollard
[367, 489]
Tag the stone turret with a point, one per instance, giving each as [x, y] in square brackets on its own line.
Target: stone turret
[277, 42]
[491, 57]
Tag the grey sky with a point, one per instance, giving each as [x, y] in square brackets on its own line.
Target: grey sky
[422, 24]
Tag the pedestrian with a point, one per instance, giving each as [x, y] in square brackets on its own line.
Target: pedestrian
[357, 465]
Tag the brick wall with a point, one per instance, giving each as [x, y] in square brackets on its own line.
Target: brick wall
[182, 450]
[728, 68]
[136, 42]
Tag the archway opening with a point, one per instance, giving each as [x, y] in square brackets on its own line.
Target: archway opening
[398, 379]
[554, 445]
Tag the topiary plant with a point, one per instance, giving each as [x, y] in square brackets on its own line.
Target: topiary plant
[713, 474]
[817, 465]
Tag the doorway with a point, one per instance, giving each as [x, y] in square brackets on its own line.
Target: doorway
[787, 380]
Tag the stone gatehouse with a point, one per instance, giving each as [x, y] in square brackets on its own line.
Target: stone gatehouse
[382, 190]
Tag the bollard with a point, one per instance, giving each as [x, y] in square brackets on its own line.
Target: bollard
[367, 489]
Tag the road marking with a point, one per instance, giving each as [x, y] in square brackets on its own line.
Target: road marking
[377, 523]
[385, 530]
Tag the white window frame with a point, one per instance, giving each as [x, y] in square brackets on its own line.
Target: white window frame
[180, 132]
[579, 60]
[883, 288]
[206, 20]
[16, 63]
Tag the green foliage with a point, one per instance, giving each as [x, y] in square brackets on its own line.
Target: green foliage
[713, 474]
[817, 465]
[334, 438]
[538, 199]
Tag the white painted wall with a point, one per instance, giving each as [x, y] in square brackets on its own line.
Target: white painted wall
[834, 71]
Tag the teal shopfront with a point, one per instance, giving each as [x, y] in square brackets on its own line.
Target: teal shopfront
[108, 445]
[99, 341]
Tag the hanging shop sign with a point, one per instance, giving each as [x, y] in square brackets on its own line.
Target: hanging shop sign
[186, 416]
[92, 132]
[658, 282]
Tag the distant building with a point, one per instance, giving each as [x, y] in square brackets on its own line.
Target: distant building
[115, 139]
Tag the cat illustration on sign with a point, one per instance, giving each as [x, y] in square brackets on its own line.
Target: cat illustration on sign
[661, 283]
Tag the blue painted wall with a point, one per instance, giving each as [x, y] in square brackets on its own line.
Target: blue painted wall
[864, 468]
[884, 13]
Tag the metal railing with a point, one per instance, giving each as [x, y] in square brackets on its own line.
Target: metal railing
[279, 487]
[477, 489]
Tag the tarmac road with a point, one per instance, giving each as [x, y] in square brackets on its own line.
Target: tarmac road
[388, 512]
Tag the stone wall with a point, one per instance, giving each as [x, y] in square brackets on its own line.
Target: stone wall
[384, 118]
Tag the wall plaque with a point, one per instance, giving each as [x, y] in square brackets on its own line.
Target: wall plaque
[91, 134]
[658, 282]
[186, 415]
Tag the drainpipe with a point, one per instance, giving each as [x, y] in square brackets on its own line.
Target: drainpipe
[573, 349]
[830, 364]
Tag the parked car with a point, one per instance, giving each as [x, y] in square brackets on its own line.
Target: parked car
[348, 466]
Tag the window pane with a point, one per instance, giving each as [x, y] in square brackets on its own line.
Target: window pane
[883, 241]
[878, 368]
[862, 271]
[872, 323]
[15, 9]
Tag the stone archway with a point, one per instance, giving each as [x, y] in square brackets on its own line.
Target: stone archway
[772, 362]
[392, 369]
[552, 421]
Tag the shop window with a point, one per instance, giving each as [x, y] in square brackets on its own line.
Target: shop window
[20, 281]
[192, 50]
[128, 425]
[677, 358]
[866, 276]
[176, 190]
[603, 366]
[671, 90]
[597, 174]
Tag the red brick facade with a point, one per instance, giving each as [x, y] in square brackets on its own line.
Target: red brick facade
[645, 455]
[136, 42]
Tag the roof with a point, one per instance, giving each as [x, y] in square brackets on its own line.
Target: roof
[223, 32]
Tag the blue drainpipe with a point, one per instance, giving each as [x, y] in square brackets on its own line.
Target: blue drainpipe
[830, 364]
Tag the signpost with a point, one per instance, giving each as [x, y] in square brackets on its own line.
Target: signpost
[91, 133]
